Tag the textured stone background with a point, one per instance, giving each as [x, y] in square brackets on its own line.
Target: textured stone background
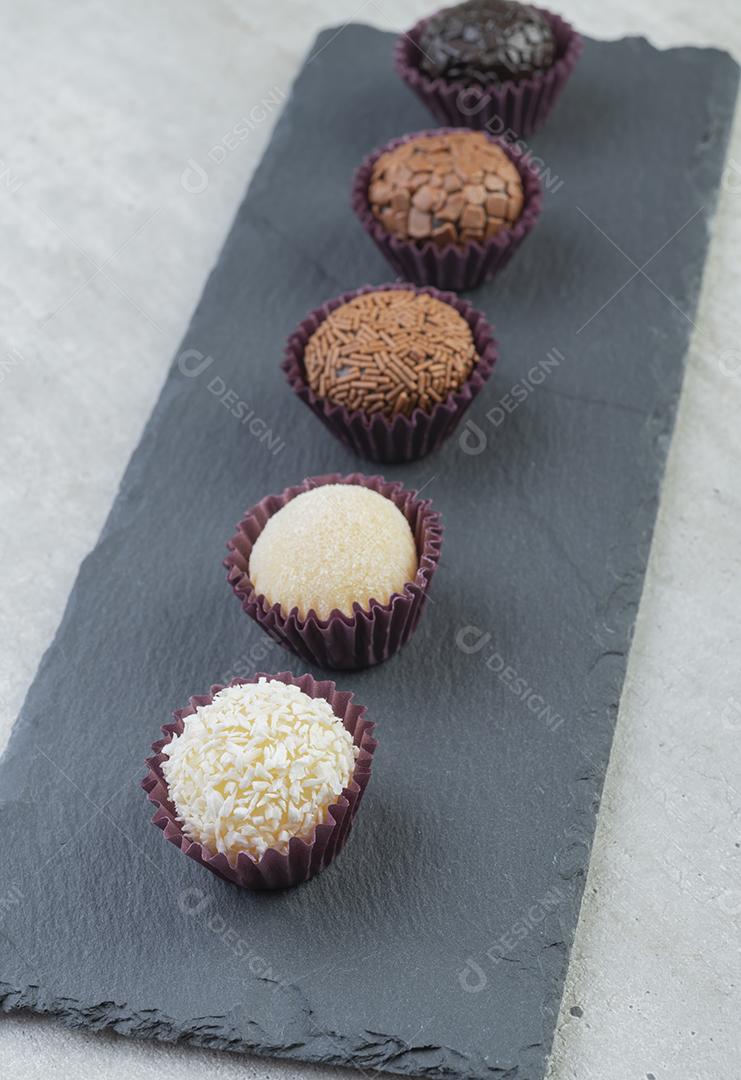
[105, 255]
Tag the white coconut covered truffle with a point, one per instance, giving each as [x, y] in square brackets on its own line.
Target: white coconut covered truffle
[333, 546]
[260, 764]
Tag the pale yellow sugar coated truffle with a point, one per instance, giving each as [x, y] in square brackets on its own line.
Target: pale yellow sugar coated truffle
[330, 547]
[262, 763]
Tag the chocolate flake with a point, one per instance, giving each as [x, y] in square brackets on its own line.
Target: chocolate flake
[428, 189]
[487, 41]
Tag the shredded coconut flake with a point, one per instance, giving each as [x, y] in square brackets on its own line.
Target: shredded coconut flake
[259, 765]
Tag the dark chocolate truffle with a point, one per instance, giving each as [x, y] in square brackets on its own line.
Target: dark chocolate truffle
[451, 188]
[485, 41]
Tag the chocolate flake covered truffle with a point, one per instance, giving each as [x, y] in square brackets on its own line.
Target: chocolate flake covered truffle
[450, 188]
[262, 763]
[332, 547]
[485, 41]
[390, 351]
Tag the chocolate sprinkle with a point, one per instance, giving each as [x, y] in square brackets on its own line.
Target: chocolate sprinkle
[485, 41]
[390, 351]
[450, 189]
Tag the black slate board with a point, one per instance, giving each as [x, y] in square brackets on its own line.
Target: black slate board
[438, 942]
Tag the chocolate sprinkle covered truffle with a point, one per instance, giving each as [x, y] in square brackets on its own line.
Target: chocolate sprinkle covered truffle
[451, 188]
[332, 547]
[485, 41]
[390, 351]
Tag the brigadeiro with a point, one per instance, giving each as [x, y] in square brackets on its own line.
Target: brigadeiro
[449, 207]
[487, 41]
[492, 64]
[391, 369]
[337, 568]
[260, 780]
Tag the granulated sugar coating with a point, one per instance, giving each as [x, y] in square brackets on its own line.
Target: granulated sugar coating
[390, 351]
[331, 547]
[260, 764]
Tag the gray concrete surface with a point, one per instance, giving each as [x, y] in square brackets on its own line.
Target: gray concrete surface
[104, 256]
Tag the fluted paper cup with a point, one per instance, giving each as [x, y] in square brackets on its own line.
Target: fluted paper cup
[454, 266]
[304, 858]
[342, 642]
[517, 108]
[398, 438]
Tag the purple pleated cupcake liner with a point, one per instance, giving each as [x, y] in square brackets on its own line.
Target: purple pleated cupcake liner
[452, 266]
[508, 108]
[304, 858]
[397, 438]
[341, 642]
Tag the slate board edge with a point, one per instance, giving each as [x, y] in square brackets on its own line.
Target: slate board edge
[378, 1051]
